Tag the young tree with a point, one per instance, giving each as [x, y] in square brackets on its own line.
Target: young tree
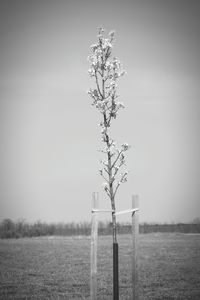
[106, 71]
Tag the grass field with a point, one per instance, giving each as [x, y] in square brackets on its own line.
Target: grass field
[59, 267]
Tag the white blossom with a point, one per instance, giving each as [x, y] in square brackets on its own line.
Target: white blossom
[91, 72]
[103, 130]
[106, 44]
[101, 31]
[111, 34]
[120, 105]
[94, 47]
[125, 146]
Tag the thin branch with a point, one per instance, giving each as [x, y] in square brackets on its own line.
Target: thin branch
[116, 171]
[119, 153]
[116, 189]
[108, 192]
[104, 177]
[97, 83]
[99, 73]
[106, 171]
[121, 181]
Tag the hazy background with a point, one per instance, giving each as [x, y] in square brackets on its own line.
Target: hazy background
[48, 130]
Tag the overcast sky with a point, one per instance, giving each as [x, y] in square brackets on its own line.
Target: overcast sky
[49, 132]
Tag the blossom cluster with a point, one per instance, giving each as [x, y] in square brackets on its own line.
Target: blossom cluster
[107, 104]
[118, 160]
[106, 71]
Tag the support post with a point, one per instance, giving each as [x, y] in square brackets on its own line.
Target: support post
[94, 236]
[135, 234]
[115, 272]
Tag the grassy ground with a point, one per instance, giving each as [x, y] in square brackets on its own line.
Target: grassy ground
[59, 268]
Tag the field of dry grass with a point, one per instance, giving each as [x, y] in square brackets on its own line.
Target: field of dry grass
[59, 267]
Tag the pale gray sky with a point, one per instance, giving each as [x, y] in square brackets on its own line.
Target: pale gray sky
[48, 130]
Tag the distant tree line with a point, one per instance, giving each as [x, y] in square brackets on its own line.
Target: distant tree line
[21, 228]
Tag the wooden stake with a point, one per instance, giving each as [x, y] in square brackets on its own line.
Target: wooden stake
[135, 233]
[94, 236]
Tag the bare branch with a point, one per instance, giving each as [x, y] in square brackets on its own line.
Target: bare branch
[119, 183]
[97, 83]
[118, 156]
[101, 173]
